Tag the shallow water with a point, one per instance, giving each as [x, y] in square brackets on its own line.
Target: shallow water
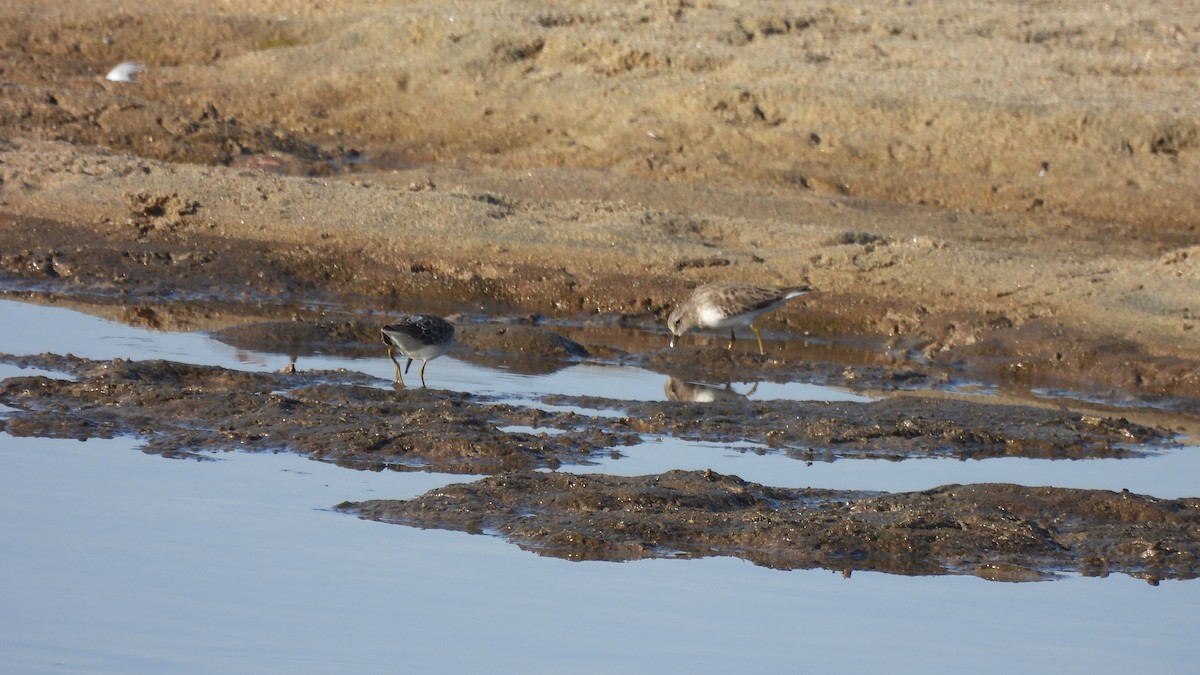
[118, 561]
[121, 562]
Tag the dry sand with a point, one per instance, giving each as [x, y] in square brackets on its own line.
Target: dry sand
[1005, 187]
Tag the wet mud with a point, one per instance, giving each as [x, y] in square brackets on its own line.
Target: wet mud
[1000, 532]
[344, 418]
[166, 271]
[351, 418]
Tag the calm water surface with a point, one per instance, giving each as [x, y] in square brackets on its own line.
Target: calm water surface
[115, 561]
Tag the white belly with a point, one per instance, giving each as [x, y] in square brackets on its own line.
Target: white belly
[713, 318]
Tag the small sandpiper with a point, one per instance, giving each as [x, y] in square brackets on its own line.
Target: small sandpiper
[729, 305]
[423, 337]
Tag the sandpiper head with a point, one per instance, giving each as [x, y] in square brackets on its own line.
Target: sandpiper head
[676, 323]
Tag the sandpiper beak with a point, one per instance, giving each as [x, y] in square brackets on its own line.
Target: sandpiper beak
[673, 339]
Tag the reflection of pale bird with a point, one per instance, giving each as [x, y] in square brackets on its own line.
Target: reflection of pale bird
[695, 392]
[728, 305]
[423, 337]
[124, 72]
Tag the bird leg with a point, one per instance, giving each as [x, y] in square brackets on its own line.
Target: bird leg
[761, 351]
[392, 356]
[423, 364]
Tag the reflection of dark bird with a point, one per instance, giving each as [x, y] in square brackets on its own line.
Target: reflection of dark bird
[694, 392]
[423, 337]
[728, 305]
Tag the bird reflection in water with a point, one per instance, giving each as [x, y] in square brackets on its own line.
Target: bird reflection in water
[696, 392]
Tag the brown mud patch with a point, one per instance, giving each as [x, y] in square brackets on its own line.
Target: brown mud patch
[344, 418]
[1000, 532]
[899, 427]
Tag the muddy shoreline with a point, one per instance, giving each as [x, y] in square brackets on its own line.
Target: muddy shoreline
[1000, 532]
[184, 281]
